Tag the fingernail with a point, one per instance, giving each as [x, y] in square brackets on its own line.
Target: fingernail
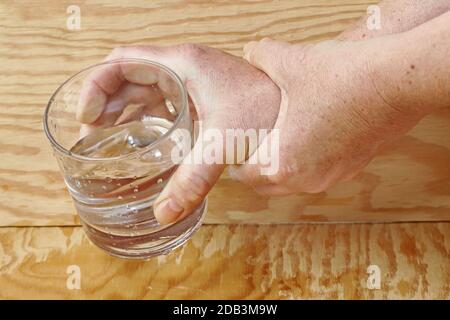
[85, 129]
[168, 211]
[141, 76]
[88, 111]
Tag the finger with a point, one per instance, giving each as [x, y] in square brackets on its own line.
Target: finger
[95, 90]
[123, 106]
[133, 101]
[170, 90]
[91, 103]
[105, 82]
[139, 111]
[186, 189]
[128, 99]
[108, 118]
[107, 79]
[130, 113]
[248, 174]
[261, 55]
[261, 165]
[86, 129]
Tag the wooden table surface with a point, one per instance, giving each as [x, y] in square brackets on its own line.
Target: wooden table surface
[236, 262]
[39, 232]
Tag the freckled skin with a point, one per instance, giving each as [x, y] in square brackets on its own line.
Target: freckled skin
[332, 128]
[225, 92]
[397, 16]
[341, 100]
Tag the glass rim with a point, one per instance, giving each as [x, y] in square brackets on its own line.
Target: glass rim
[184, 108]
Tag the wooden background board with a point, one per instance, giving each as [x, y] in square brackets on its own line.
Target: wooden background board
[409, 181]
[236, 262]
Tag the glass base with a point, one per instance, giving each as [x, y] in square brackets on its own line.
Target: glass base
[148, 245]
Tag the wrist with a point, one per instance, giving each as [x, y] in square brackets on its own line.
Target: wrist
[368, 95]
[410, 69]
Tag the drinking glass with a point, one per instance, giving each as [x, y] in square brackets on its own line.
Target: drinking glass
[115, 169]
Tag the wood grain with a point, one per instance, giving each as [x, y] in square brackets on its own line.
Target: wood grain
[408, 182]
[236, 262]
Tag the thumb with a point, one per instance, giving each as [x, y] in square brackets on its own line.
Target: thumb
[187, 188]
[267, 55]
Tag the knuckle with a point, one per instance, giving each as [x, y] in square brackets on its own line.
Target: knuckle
[192, 51]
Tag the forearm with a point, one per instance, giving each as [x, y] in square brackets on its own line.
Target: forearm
[397, 16]
[411, 70]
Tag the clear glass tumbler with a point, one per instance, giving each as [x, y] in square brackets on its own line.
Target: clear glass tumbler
[116, 168]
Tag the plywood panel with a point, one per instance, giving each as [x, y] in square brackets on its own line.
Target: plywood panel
[409, 181]
[236, 262]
